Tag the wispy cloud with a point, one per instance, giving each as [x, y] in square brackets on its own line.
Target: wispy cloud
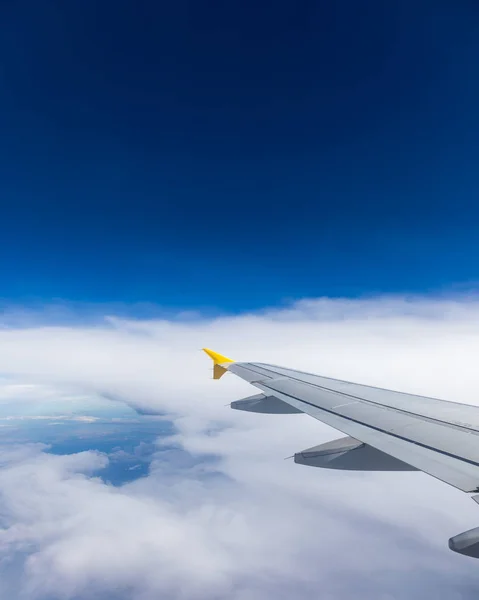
[225, 516]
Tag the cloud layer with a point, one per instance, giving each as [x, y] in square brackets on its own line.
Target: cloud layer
[223, 515]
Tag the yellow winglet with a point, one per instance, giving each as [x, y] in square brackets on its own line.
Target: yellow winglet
[218, 360]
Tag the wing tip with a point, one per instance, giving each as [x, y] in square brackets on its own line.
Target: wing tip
[218, 360]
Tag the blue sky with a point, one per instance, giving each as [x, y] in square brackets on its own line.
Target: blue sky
[236, 155]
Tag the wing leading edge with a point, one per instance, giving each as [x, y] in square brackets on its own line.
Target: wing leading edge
[387, 430]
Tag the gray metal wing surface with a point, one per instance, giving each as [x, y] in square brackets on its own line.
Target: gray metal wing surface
[386, 430]
[435, 436]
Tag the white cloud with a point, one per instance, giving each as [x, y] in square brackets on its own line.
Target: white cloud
[245, 525]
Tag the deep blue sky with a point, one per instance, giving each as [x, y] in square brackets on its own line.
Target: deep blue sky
[234, 154]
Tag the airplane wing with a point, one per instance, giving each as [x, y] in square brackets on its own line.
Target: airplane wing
[386, 430]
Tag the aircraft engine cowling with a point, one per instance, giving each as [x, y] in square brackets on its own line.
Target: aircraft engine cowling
[260, 403]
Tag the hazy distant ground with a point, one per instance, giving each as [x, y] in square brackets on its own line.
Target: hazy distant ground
[111, 428]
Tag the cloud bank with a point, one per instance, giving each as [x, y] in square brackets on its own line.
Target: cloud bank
[222, 515]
